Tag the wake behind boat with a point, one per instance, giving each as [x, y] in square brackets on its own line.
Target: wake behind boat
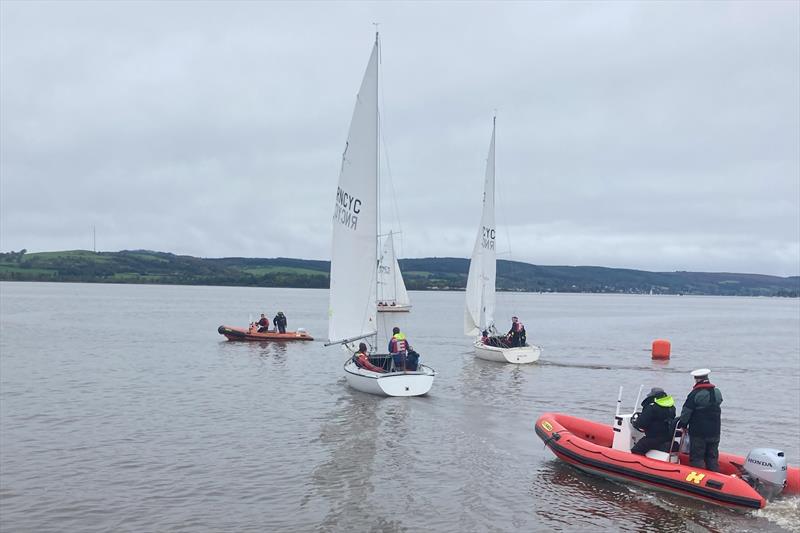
[352, 315]
[480, 292]
[252, 334]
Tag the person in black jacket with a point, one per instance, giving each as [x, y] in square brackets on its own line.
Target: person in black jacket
[658, 411]
[701, 414]
[280, 322]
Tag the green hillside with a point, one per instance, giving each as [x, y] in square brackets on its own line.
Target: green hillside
[433, 273]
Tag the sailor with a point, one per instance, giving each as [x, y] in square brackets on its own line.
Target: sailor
[658, 412]
[404, 357]
[362, 359]
[516, 335]
[263, 324]
[701, 414]
[280, 322]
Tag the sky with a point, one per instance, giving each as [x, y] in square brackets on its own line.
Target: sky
[658, 136]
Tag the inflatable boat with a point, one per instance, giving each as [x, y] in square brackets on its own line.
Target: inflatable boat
[742, 483]
[252, 334]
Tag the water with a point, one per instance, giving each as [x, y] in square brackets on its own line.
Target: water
[122, 409]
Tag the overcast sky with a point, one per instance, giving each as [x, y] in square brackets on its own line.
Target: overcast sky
[657, 136]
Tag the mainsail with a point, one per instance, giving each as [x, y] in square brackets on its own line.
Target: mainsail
[354, 256]
[480, 299]
[391, 288]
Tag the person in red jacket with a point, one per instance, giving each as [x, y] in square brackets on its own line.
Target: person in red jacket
[362, 359]
[263, 324]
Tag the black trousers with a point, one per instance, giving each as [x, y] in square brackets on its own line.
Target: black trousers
[704, 452]
[645, 444]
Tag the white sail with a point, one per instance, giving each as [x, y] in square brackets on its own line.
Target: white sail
[391, 287]
[480, 298]
[354, 257]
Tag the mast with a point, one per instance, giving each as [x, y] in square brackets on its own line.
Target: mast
[377, 162]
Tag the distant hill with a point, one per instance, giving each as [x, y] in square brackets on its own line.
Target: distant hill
[432, 273]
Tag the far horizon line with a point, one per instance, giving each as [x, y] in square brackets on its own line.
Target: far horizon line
[417, 258]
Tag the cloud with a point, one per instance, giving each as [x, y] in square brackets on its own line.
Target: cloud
[643, 135]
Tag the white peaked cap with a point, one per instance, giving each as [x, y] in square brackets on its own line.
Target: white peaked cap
[700, 372]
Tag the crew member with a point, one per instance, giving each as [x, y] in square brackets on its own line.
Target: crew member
[404, 357]
[263, 324]
[362, 359]
[658, 412]
[701, 414]
[280, 322]
[516, 335]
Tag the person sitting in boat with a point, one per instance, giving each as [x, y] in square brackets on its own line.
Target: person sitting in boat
[655, 420]
[404, 357]
[280, 322]
[485, 337]
[361, 359]
[701, 414]
[516, 335]
[263, 324]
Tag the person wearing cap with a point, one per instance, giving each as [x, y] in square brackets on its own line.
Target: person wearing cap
[658, 411]
[280, 322]
[516, 335]
[701, 414]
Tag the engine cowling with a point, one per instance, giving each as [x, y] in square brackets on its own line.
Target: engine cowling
[766, 471]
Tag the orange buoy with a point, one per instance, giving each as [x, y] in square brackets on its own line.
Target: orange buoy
[661, 348]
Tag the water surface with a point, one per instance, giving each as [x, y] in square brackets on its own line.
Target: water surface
[121, 408]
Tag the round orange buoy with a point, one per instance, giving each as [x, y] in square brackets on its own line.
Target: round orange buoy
[661, 348]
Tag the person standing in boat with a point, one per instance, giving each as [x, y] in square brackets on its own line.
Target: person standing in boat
[280, 322]
[516, 335]
[701, 414]
[655, 420]
[362, 359]
[263, 324]
[404, 357]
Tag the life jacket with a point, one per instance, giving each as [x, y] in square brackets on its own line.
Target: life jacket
[665, 401]
[357, 360]
[400, 343]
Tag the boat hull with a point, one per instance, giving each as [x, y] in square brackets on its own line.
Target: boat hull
[251, 334]
[586, 445]
[416, 383]
[394, 308]
[522, 355]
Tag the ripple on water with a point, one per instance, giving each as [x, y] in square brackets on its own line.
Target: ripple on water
[130, 431]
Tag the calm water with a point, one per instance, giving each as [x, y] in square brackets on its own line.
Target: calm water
[122, 409]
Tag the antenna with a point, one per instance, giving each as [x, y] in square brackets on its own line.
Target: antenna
[94, 239]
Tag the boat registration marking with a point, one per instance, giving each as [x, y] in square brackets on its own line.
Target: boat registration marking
[694, 477]
[546, 425]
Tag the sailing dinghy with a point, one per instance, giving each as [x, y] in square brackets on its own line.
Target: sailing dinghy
[352, 314]
[480, 299]
[392, 293]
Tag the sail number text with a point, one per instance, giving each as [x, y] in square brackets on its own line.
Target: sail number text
[487, 238]
[347, 209]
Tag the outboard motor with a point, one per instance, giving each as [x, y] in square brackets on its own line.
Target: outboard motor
[765, 470]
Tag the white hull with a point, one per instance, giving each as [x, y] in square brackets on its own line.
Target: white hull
[389, 384]
[394, 308]
[521, 355]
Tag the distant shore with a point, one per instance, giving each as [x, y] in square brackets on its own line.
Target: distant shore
[435, 274]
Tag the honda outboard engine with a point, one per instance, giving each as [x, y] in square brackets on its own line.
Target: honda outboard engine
[765, 470]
